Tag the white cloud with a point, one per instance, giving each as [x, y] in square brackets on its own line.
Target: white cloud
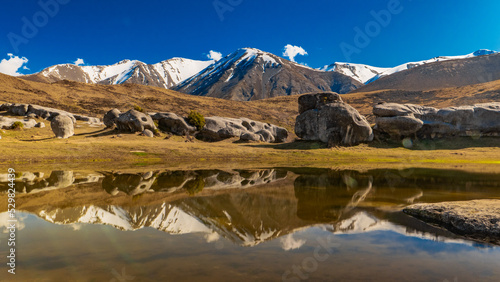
[289, 243]
[292, 51]
[11, 65]
[79, 62]
[214, 55]
[5, 224]
[212, 237]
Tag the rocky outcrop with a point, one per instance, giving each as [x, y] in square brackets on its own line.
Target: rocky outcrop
[325, 117]
[62, 126]
[220, 128]
[6, 122]
[479, 219]
[134, 121]
[44, 112]
[110, 117]
[408, 119]
[174, 124]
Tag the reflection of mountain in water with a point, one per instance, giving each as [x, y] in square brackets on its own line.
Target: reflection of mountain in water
[340, 201]
[28, 182]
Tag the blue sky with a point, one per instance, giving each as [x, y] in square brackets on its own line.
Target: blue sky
[105, 32]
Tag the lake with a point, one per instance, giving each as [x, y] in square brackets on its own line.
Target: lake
[271, 224]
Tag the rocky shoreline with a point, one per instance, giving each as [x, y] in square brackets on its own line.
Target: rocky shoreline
[477, 219]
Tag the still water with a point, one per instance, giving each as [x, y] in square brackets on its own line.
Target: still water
[280, 224]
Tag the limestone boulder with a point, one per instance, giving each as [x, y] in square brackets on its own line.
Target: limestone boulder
[110, 118]
[334, 123]
[62, 126]
[399, 125]
[220, 128]
[148, 133]
[172, 123]
[134, 121]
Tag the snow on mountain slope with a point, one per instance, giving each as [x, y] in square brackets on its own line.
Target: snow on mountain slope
[252, 74]
[164, 74]
[165, 218]
[367, 74]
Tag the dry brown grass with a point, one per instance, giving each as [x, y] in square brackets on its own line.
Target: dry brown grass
[95, 148]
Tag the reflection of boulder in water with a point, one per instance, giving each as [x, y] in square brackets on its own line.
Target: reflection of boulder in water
[195, 181]
[131, 184]
[192, 182]
[325, 197]
[28, 182]
[61, 179]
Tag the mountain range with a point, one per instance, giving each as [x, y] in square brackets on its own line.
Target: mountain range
[252, 74]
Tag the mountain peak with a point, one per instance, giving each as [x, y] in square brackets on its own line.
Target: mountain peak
[483, 52]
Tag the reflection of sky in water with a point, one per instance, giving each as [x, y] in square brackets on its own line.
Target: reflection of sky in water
[92, 251]
[210, 225]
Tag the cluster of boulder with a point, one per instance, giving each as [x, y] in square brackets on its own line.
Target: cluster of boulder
[325, 117]
[215, 129]
[62, 122]
[219, 128]
[427, 122]
[35, 111]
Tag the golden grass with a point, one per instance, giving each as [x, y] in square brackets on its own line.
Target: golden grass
[95, 147]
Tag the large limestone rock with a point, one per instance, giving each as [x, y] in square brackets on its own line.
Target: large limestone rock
[478, 219]
[174, 124]
[7, 123]
[110, 118]
[219, 128]
[335, 123]
[62, 126]
[473, 120]
[44, 112]
[134, 121]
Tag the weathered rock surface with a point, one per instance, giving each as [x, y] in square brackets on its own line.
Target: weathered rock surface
[6, 122]
[478, 219]
[331, 121]
[397, 119]
[44, 112]
[62, 126]
[174, 124]
[134, 121]
[315, 101]
[148, 133]
[110, 117]
[220, 128]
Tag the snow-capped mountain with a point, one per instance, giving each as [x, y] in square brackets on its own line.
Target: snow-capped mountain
[251, 74]
[367, 74]
[164, 74]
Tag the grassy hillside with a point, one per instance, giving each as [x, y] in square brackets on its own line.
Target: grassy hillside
[95, 100]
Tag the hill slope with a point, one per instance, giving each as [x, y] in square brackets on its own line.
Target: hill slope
[368, 74]
[442, 74]
[95, 100]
